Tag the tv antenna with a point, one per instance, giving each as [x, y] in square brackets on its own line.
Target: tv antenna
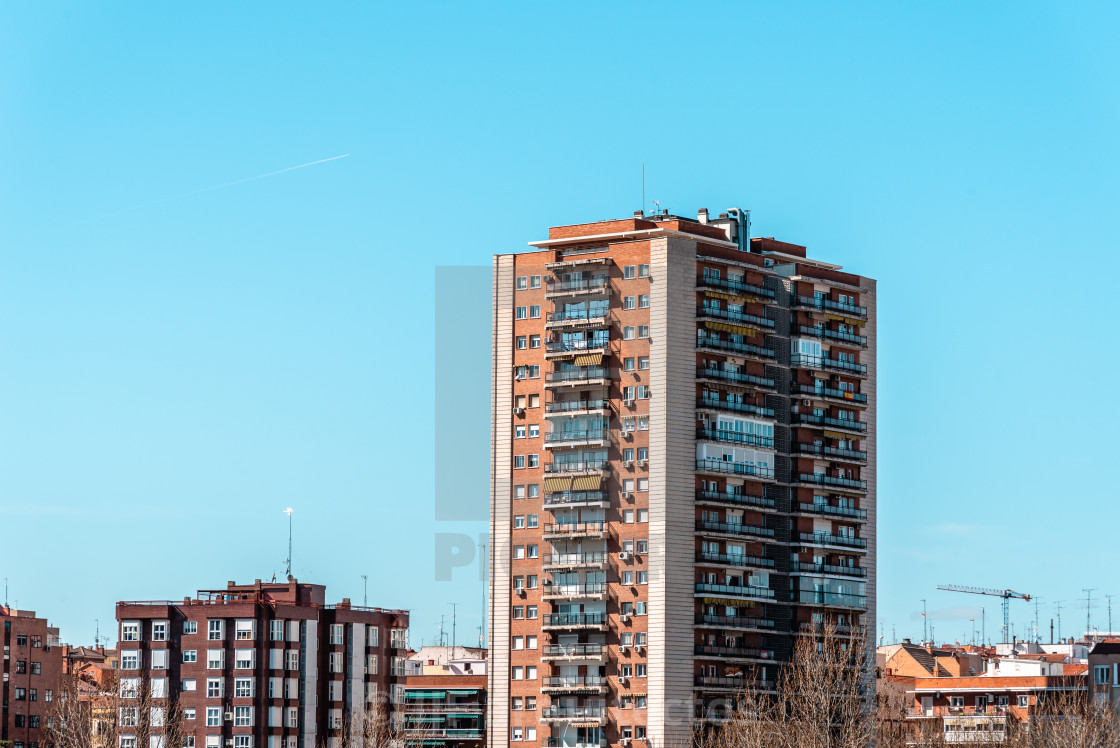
[925, 624]
[288, 561]
[1088, 608]
[365, 590]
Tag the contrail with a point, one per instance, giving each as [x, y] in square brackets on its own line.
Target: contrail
[230, 184]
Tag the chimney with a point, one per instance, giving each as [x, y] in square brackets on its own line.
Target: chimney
[702, 216]
[906, 640]
[639, 214]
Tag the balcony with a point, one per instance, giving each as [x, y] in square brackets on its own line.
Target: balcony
[575, 407]
[828, 510]
[735, 377]
[576, 467]
[735, 286]
[739, 499]
[731, 683]
[733, 347]
[735, 437]
[733, 590]
[712, 465]
[575, 560]
[585, 377]
[599, 437]
[590, 591]
[809, 302]
[575, 347]
[739, 317]
[735, 622]
[556, 287]
[824, 332]
[574, 684]
[818, 627]
[574, 530]
[596, 715]
[832, 599]
[843, 424]
[555, 621]
[737, 653]
[828, 392]
[437, 733]
[734, 559]
[808, 567]
[847, 455]
[820, 479]
[824, 363]
[714, 403]
[577, 318]
[575, 498]
[558, 742]
[573, 652]
[733, 528]
[828, 539]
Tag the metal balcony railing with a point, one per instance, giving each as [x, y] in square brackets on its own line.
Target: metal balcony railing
[712, 465]
[573, 497]
[808, 567]
[572, 528]
[727, 314]
[820, 479]
[809, 361]
[707, 341]
[577, 437]
[574, 681]
[837, 452]
[556, 285]
[576, 590]
[731, 683]
[585, 374]
[709, 650]
[578, 315]
[833, 511]
[573, 712]
[734, 528]
[731, 285]
[574, 650]
[575, 559]
[731, 589]
[577, 346]
[824, 332]
[737, 498]
[741, 621]
[576, 466]
[734, 559]
[735, 437]
[575, 619]
[569, 406]
[747, 408]
[840, 423]
[808, 389]
[737, 377]
[827, 538]
[823, 303]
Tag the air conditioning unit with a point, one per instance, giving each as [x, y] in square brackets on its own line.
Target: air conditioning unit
[622, 680]
[642, 651]
[229, 716]
[627, 463]
[624, 618]
[643, 463]
[623, 649]
[625, 494]
[806, 402]
[229, 741]
[521, 592]
[518, 411]
[624, 555]
[625, 433]
[624, 741]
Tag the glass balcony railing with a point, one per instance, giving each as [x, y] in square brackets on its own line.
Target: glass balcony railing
[709, 650]
[577, 437]
[847, 424]
[834, 511]
[825, 451]
[820, 479]
[579, 466]
[734, 528]
[737, 377]
[712, 465]
[574, 620]
[575, 406]
[575, 376]
[807, 567]
[739, 286]
[593, 651]
[574, 682]
[814, 597]
[579, 315]
[824, 332]
[734, 590]
[740, 621]
[736, 498]
[808, 389]
[835, 306]
[575, 559]
[591, 589]
[707, 341]
[574, 528]
[557, 285]
[716, 403]
[734, 559]
[827, 538]
[574, 712]
[563, 498]
[735, 437]
[730, 316]
[808, 361]
[577, 346]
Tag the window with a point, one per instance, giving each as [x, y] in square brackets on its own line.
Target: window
[518, 462]
[519, 522]
[371, 636]
[517, 734]
[1024, 701]
[522, 282]
[335, 662]
[190, 627]
[534, 342]
[130, 660]
[243, 716]
[628, 516]
[534, 431]
[530, 732]
[21, 693]
[643, 362]
[534, 311]
[639, 670]
[530, 642]
[643, 452]
[534, 281]
[643, 271]
[522, 342]
[518, 642]
[641, 546]
[159, 659]
[643, 515]
[640, 638]
[276, 631]
[628, 578]
[643, 577]
[215, 659]
[530, 611]
[521, 312]
[244, 659]
[628, 364]
[518, 612]
[627, 333]
[188, 713]
[531, 551]
[629, 302]
[519, 492]
[532, 579]
[639, 608]
[515, 703]
[519, 551]
[1101, 673]
[531, 672]
[643, 331]
[533, 520]
[215, 630]
[214, 688]
[336, 633]
[130, 631]
[628, 485]
[190, 684]
[159, 631]
[628, 272]
[530, 702]
[213, 716]
[626, 671]
[518, 673]
[643, 301]
[534, 461]
[534, 491]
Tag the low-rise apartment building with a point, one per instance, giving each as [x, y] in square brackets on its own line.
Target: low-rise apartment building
[1104, 672]
[31, 671]
[267, 665]
[442, 701]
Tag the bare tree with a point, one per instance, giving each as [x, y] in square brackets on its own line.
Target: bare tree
[369, 725]
[84, 713]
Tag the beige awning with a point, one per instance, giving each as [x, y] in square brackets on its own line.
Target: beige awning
[726, 327]
[552, 485]
[588, 359]
[730, 603]
[837, 434]
[848, 320]
[587, 483]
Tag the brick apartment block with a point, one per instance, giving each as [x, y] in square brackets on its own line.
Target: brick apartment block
[32, 672]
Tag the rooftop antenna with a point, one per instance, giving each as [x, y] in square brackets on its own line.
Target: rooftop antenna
[643, 186]
[882, 632]
[1059, 604]
[1037, 638]
[1089, 608]
[925, 624]
[6, 592]
[454, 623]
[288, 561]
[365, 590]
[972, 630]
[97, 633]
[894, 635]
[1108, 598]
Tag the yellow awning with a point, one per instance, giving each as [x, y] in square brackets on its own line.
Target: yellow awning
[848, 320]
[588, 359]
[730, 603]
[837, 434]
[730, 328]
[587, 483]
[557, 484]
[735, 296]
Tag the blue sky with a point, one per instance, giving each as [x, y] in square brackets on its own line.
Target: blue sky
[175, 368]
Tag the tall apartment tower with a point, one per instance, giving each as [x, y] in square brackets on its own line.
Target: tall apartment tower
[261, 665]
[30, 674]
[683, 472]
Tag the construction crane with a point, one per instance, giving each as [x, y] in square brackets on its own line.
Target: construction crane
[1006, 596]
